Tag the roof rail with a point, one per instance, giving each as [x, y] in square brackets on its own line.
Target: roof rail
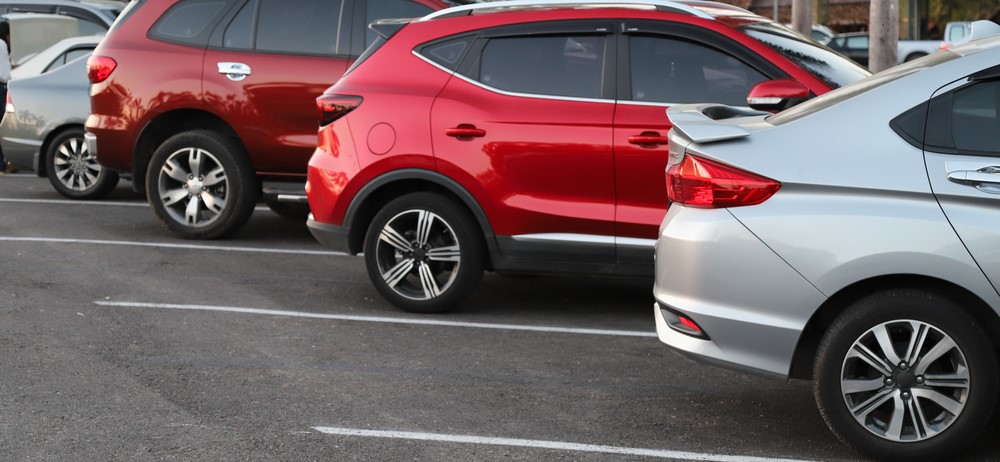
[511, 5]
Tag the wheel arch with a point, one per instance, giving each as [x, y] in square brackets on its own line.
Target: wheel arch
[379, 191]
[805, 352]
[169, 124]
[42, 169]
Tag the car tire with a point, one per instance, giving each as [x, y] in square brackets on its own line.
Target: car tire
[73, 170]
[892, 403]
[217, 169]
[430, 273]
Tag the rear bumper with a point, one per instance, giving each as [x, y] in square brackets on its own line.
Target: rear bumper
[330, 236]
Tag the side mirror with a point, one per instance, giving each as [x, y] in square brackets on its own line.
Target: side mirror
[777, 95]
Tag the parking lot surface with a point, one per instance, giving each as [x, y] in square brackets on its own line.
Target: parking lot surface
[119, 341]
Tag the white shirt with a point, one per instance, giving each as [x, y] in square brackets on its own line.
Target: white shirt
[4, 62]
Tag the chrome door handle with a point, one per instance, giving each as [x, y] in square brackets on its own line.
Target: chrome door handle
[234, 71]
[989, 175]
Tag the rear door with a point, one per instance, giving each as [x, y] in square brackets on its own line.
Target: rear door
[665, 63]
[525, 125]
[962, 154]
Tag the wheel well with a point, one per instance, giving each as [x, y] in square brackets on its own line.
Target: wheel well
[377, 199]
[43, 151]
[805, 351]
[169, 124]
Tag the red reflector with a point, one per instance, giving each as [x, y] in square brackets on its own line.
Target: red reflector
[99, 68]
[689, 324]
[698, 182]
[333, 107]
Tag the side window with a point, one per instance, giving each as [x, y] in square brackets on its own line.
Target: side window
[668, 70]
[186, 22]
[391, 9]
[966, 120]
[239, 32]
[298, 26]
[88, 23]
[447, 53]
[67, 57]
[554, 65]
[857, 42]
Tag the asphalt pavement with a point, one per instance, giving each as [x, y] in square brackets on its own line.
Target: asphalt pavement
[120, 341]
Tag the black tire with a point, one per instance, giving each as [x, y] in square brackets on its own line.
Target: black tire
[298, 211]
[72, 169]
[213, 165]
[439, 276]
[935, 420]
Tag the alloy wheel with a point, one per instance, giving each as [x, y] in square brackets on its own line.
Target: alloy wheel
[193, 187]
[905, 380]
[74, 166]
[418, 255]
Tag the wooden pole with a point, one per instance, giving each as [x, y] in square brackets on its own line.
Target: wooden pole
[802, 16]
[883, 35]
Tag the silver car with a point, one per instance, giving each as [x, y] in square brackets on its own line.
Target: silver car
[42, 130]
[853, 240]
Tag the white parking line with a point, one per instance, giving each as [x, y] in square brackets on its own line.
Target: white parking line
[556, 445]
[380, 319]
[83, 202]
[170, 245]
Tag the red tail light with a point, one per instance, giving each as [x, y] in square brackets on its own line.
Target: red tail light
[698, 182]
[99, 68]
[333, 107]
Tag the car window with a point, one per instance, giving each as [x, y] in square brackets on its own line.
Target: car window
[391, 9]
[67, 57]
[671, 70]
[239, 32]
[187, 20]
[825, 64]
[448, 53]
[857, 42]
[298, 26]
[966, 120]
[547, 65]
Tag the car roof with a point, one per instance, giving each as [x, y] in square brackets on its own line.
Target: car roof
[701, 9]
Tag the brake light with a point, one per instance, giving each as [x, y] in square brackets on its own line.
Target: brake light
[699, 182]
[99, 68]
[333, 107]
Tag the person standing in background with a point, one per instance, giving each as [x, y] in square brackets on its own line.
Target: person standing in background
[4, 77]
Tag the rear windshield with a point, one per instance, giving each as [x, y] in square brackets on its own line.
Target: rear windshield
[825, 64]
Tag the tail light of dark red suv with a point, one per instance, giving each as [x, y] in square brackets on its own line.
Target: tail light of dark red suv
[99, 68]
[333, 107]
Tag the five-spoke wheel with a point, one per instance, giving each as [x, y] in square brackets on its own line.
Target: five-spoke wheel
[73, 170]
[423, 253]
[906, 374]
[200, 185]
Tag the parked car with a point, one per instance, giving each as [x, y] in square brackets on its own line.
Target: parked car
[48, 99]
[854, 45]
[819, 33]
[959, 32]
[864, 259]
[438, 158]
[207, 105]
[42, 23]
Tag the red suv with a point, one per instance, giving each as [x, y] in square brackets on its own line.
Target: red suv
[207, 104]
[531, 136]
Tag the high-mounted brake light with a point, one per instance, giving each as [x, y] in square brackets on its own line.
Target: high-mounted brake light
[333, 107]
[99, 68]
[699, 182]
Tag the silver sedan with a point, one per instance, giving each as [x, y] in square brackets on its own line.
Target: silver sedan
[851, 240]
[42, 130]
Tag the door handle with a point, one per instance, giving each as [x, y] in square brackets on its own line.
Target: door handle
[988, 175]
[465, 132]
[234, 71]
[648, 139]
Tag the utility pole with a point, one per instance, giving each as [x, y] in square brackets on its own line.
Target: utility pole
[883, 35]
[802, 16]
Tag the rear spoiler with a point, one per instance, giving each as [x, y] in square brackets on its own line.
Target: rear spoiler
[700, 122]
[386, 28]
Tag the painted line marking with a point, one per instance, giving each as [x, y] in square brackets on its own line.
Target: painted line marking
[170, 246]
[542, 444]
[84, 202]
[380, 319]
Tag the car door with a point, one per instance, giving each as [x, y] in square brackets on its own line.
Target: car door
[663, 64]
[267, 62]
[962, 154]
[525, 125]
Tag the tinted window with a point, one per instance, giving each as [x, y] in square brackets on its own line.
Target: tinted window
[676, 71]
[549, 65]
[825, 64]
[966, 120]
[857, 42]
[448, 53]
[390, 9]
[299, 26]
[239, 33]
[185, 21]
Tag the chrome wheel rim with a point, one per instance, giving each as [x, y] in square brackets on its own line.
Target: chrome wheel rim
[74, 166]
[905, 381]
[418, 255]
[193, 187]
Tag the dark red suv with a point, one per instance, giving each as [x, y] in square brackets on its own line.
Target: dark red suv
[531, 137]
[207, 104]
